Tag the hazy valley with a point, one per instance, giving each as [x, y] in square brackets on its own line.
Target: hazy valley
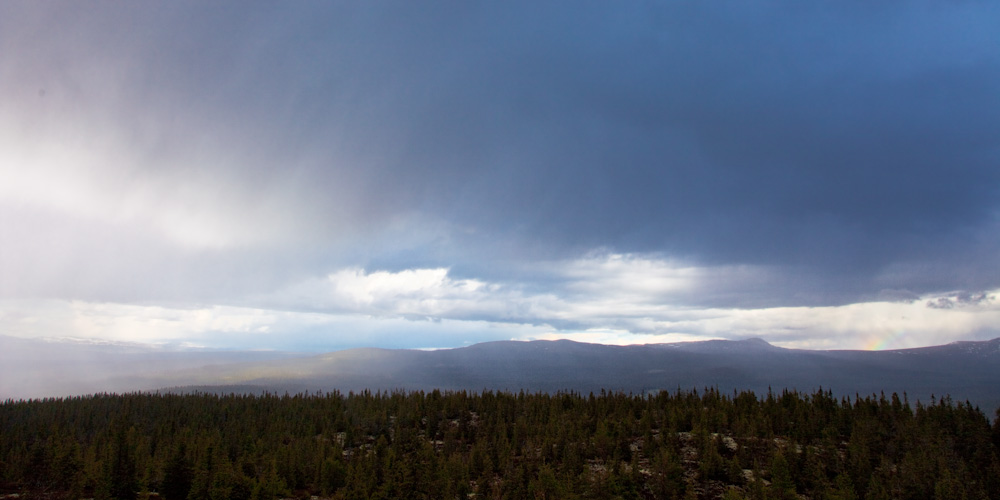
[963, 370]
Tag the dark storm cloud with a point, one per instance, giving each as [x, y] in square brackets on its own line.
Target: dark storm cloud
[738, 143]
[853, 146]
[821, 136]
[840, 140]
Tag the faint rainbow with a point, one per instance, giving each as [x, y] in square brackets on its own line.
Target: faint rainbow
[882, 342]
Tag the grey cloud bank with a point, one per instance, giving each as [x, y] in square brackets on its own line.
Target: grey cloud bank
[753, 157]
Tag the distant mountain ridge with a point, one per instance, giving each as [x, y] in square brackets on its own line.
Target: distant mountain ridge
[964, 370]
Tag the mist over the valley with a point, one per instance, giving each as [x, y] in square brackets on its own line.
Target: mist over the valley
[962, 370]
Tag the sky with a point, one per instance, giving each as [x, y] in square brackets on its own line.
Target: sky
[314, 176]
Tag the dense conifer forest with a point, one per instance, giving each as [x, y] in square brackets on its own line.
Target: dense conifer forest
[496, 445]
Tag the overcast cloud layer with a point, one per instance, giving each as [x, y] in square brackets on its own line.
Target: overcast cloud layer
[326, 175]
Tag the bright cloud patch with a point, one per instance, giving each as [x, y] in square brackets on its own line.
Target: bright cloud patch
[627, 299]
[629, 277]
[414, 291]
[422, 293]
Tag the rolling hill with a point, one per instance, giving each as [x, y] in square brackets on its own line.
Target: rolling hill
[962, 370]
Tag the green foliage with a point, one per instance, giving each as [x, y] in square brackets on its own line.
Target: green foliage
[782, 485]
[178, 475]
[733, 494]
[496, 445]
[119, 476]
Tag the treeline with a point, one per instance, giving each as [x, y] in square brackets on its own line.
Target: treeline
[460, 445]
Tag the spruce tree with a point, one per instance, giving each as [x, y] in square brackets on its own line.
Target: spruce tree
[177, 476]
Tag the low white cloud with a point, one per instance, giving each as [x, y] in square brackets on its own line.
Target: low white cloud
[428, 307]
[417, 291]
[139, 323]
[424, 293]
[627, 299]
[619, 337]
[870, 325]
[243, 327]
